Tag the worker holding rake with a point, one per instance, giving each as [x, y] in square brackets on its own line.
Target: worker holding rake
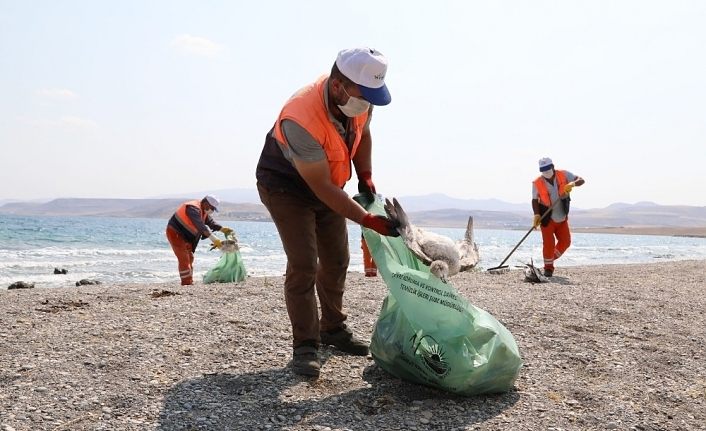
[551, 186]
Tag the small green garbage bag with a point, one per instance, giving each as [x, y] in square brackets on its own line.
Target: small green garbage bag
[230, 267]
[427, 333]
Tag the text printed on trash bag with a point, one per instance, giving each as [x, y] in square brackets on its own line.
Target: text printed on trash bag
[423, 290]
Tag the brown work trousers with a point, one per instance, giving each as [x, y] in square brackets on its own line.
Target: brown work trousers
[315, 240]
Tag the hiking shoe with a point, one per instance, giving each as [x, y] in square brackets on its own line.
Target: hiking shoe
[344, 340]
[548, 272]
[306, 361]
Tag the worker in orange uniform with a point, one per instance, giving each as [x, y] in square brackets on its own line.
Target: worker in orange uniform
[549, 187]
[371, 270]
[190, 223]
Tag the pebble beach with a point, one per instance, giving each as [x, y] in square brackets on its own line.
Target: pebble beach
[604, 347]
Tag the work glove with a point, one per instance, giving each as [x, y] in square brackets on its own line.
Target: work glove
[569, 187]
[226, 230]
[536, 221]
[380, 224]
[365, 183]
[216, 243]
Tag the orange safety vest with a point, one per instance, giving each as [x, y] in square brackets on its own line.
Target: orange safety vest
[184, 220]
[308, 109]
[541, 186]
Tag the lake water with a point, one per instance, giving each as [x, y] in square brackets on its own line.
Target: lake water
[129, 250]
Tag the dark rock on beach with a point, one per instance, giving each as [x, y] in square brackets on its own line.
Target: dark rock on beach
[20, 285]
[60, 271]
[86, 281]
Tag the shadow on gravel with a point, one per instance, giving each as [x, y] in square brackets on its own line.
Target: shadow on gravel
[276, 399]
[562, 280]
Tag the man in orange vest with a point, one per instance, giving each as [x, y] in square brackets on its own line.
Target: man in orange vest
[304, 165]
[550, 186]
[187, 226]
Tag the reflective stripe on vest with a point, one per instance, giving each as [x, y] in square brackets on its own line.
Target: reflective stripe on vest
[308, 109]
[184, 220]
[541, 185]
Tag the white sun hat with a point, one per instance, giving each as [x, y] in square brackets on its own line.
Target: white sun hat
[545, 163]
[213, 201]
[367, 68]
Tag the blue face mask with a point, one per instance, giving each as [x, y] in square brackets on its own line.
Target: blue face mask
[354, 106]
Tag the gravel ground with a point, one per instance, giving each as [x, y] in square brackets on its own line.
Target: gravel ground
[605, 347]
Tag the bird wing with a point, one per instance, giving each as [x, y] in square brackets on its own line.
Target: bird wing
[415, 244]
[468, 249]
[408, 233]
[396, 213]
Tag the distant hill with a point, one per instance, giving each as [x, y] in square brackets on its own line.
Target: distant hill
[437, 201]
[428, 202]
[229, 195]
[458, 218]
[640, 215]
[92, 207]
[621, 205]
[145, 208]
[5, 201]
[429, 210]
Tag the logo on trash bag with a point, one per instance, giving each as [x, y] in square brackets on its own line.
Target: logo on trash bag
[432, 354]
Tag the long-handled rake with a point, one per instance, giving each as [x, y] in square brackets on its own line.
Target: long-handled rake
[502, 265]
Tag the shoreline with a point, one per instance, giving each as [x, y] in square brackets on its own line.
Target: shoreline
[678, 231]
[199, 282]
[604, 347]
[690, 232]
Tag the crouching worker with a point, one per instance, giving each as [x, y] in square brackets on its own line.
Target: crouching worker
[304, 165]
[187, 226]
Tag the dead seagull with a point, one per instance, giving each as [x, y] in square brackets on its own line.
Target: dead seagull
[533, 274]
[444, 257]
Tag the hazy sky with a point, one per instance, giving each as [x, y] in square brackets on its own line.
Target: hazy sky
[144, 98]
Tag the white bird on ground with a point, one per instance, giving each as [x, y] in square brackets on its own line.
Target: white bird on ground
[444, 257]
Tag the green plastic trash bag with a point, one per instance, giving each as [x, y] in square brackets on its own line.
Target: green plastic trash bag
[230, 267]
[427, 333]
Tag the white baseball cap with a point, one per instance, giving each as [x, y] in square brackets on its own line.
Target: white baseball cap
[367, 68]
[545, 163]
[213, 201]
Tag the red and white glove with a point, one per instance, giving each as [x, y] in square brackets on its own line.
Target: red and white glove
[380, 224]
